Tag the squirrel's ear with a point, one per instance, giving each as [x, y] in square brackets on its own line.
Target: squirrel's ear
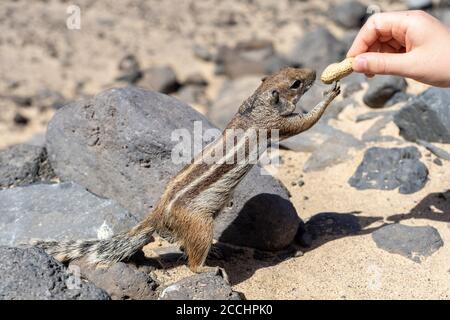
[264, 79]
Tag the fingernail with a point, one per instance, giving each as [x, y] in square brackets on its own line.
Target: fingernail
[361, 63]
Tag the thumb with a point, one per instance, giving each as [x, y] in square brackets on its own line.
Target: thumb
[399, 64]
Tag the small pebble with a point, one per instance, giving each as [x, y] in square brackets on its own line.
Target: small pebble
[20, 119]
[298, 253]
[22, 101]
[437, 162]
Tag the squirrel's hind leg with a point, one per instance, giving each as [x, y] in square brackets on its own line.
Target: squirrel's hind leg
[195, 234]
[197, 250]
[197, 241]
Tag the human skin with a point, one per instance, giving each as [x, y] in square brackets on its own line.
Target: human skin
[411, 44]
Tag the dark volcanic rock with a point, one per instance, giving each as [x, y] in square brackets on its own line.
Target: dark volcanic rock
[333, 151]
[193, 90]
[426, 117]
[441, 153]
[415, 243]
[374, 131]
[347, 40]
[20, 119]
[419, 4]
[31, 274]
[264, 214]
[58, 211]
[22, 101]
[161, 79]
[119, 145]
[443, 15]
[383, 88]
[329, 146]
[202, 53]
[129, 69]
[349, 14]
[192, 94]
[196, 79]
[351, 87]
[317, 49]
[387, 169]
[313, 139]
[397, 98]
[250, 57]
[46, 98]
[203, 286]
[121, 281]
[24, 164]
[374, 114]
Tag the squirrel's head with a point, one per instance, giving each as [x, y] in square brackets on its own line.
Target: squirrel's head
[278, 95]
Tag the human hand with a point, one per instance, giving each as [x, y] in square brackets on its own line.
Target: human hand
[411, 44]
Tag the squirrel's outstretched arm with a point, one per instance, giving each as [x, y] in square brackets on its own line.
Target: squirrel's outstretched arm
[299, 123]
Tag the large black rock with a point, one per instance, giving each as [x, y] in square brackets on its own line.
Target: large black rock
[63, 211]
[203, 286]
[122, 281]
[387, 169]
[31, 274]
[382, 89]
[24, 164]
[119, 145]
[426, 117]
[415, 243]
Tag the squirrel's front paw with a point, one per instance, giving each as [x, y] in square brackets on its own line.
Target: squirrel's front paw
[334, 91]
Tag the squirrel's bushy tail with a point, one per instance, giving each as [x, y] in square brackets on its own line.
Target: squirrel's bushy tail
[119, 247]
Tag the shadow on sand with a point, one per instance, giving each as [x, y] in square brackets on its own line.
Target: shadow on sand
[242, 263]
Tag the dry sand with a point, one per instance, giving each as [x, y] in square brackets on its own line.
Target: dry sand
[37, 51]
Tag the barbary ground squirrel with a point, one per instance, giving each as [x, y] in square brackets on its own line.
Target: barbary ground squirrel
[197, 194]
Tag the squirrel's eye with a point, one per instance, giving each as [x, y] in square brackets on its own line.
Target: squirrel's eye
[276, 96]
[296, 84]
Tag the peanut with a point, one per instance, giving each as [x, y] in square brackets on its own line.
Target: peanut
[337, 71]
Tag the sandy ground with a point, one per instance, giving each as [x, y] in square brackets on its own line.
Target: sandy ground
[37, 51]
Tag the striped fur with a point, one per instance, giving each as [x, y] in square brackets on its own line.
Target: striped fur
[197, 194]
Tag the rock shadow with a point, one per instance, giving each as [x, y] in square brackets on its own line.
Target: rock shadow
[241, 263]
[323, 227]
[435, 206]
[329, 226]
